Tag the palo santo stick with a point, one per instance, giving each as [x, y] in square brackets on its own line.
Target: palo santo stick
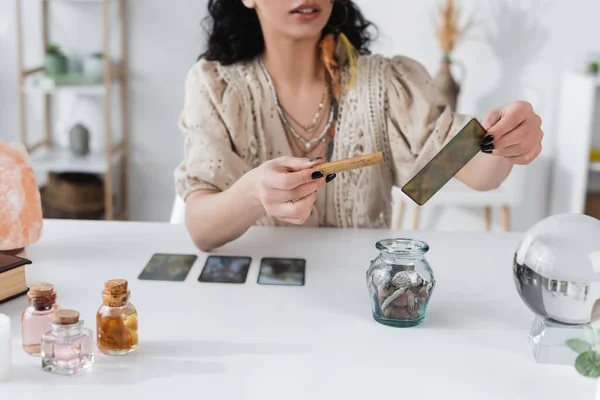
[350, 163]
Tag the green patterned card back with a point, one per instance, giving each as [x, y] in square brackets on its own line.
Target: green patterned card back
[446, 164]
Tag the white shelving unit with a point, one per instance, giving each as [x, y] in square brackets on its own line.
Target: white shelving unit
[62, 160]
[83, 90]
[577, 126]
[46, 155]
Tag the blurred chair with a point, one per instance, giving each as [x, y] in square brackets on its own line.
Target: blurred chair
[178, 211]
[456, 194]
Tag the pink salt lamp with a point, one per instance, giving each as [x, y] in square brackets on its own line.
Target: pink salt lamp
[20, 200]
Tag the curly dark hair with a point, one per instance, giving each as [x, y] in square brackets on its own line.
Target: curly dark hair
[235, 35]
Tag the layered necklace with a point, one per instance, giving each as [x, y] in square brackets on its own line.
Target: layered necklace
[307, 143]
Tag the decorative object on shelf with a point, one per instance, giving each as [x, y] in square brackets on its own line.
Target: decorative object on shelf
[595, 154]
[93, 66]
[5, 348]
[79, 140]
[449, 34]
[556, 271]
[55, 62]
[74, 196]
[592, 65]
[20, 201]
[400, 282]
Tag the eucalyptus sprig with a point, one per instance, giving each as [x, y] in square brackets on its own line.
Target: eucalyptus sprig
[587, 362]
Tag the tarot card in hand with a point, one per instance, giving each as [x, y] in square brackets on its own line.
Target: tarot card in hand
[168, 267]
[225, 269]
[282, 271]
[446, 164]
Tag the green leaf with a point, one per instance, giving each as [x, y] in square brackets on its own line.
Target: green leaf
[588, 364]
[578, 345]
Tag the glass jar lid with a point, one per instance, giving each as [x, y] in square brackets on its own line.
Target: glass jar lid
[403, 247]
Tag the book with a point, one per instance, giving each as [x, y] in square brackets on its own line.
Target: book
[13, 282]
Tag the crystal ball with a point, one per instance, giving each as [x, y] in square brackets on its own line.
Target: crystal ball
[556, 269]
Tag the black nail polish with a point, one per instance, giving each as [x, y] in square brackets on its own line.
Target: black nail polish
[316, 159]
[317, 175]
[330, 178]
[488, 148]
[487, 140]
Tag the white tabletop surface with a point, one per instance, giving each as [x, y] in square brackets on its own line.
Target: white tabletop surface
[318, 341]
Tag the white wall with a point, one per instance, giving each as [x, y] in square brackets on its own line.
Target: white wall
[519, 50]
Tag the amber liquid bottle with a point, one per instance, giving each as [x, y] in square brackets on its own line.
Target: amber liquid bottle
[116, 320]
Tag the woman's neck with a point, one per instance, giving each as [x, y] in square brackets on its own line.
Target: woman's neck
[294, 64]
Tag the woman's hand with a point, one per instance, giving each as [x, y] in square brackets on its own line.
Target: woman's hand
[514, 132]
[287, 187]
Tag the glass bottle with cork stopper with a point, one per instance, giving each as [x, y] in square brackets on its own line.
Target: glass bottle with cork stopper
[37, 316]
[67, 348]
[116, 320]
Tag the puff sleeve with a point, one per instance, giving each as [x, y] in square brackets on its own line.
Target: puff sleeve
[418, 124]
[210, 112]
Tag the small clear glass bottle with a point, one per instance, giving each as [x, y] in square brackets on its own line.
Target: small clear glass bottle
[67, 348]
[116, 320]
[400, 282]
[37, 316]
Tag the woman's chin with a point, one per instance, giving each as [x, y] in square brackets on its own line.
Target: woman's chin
[304, 33]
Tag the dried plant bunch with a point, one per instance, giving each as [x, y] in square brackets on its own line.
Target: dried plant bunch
[447, 26]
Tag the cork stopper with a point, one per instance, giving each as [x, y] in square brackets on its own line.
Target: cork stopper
[115, 286]
[42, 296]
[41, 289]
[115, 293]
[66, 317]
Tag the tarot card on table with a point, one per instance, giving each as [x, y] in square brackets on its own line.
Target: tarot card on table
[168, 267]
[225, 269]
[282, 271]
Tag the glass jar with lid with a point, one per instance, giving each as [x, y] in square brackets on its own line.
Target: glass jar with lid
[400, 282]
[67, 348]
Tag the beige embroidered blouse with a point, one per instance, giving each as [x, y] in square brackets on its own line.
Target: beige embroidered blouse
[230, 125]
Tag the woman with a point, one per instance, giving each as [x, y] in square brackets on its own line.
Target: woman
[280, 89]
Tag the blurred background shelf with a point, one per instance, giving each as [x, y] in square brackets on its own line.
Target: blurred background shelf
[80, 1]
[62, 160]
[39, 83]
[89, 90]
[577, 168]
[103, 75]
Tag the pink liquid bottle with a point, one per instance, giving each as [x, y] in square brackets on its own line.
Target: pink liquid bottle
[36, 318]
[67, 348]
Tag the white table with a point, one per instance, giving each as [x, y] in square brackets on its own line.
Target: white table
[319, 341]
